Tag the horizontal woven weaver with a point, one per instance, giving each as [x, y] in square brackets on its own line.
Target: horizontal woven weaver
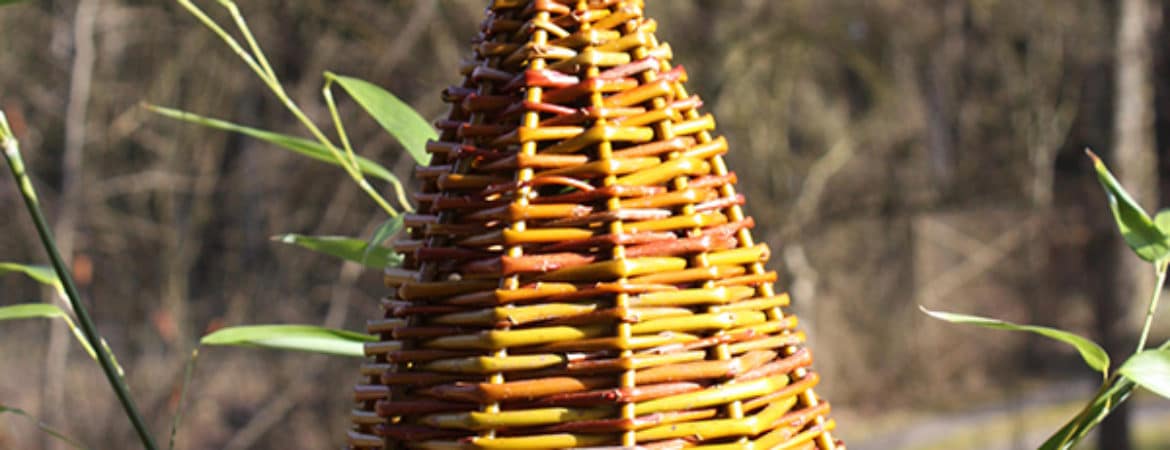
[581, 274]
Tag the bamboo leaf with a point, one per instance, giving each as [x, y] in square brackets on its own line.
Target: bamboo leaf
[1092, 353]
[394, 115]
[305, 338]
[1139, 232]
[41, 425]
[47, 311]
[388, 228]
[1149, 369]
[346, 248]
[31, 311]
[1162, 221]
[302, 146]
[42, 274]
[47, 276]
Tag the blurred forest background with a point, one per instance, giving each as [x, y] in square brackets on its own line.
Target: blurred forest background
[894, 152]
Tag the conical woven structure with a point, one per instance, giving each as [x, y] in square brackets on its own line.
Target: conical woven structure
[581, 273]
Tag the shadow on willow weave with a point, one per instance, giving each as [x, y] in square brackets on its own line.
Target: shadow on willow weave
[582, 274]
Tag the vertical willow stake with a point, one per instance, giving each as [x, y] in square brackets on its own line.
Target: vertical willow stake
[104, 355]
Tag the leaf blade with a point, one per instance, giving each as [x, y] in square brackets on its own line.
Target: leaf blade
[41, 425]
[347, 248]
[48, 311]
[295, 144]
[1093, 355]
[306, 338]
[31, 311]
[394, 115]
[1150, 369]
[39, 273]
[1162, 221]
[384, 231]
[1137, 229]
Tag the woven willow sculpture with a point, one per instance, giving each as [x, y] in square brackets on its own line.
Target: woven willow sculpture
[581, 274]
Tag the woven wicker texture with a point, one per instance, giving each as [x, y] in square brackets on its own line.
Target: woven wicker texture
[581, 274]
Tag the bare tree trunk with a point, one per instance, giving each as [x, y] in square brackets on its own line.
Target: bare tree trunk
[65, 230]
[941, 99]
[1135, 164]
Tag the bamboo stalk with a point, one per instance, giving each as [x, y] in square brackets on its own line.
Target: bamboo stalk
[104, 354]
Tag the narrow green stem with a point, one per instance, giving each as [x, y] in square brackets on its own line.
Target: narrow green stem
[350, 155]
[223, 35]
[1074, 435]
[259, 64]
[104, 355]
[400, 193]
[353, 171]
[1115, 381]
[234, 10]
[1153, 308]
[42, 426]
[183, 397]
[327, 93]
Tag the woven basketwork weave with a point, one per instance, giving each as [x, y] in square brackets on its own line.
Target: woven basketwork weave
[580, 273]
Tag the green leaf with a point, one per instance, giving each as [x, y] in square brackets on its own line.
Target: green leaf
[1162, 221]
[1092, 353]
[31, 311]
[1149, 369]
[43, 427]
[394, 115]
[388, 228]
[302, 146]
[8, 2]
[305, 338]
[1139, 232]
[46, 311]
[346, 248]
[42, 274]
